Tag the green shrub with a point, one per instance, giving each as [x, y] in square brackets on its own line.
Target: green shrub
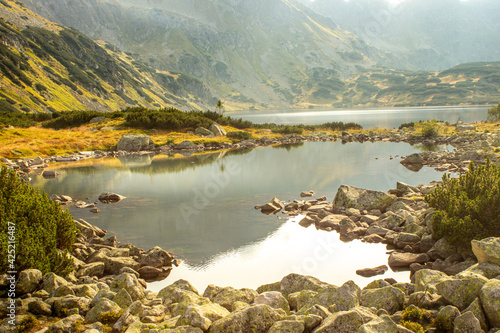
[17, 119]
[72, 119]
[467, 208]
[429, 130]
[412, 314]
[414, 327]
[239, 135]
[407, 125]
[40, 87]
[38, 226]
[494, 113]
[27, 323]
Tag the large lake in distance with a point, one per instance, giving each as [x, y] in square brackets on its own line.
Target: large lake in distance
[201, 208]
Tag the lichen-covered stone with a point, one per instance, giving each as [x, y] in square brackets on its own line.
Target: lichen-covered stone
[123, 299]
[274, 299]
[92, 269]
[405, 259]
[256, 319]
[227, 296]
[467, 322]
[389, 298]
[135, 142]
[476, 308]
[444, 249]
[105, 310]
[66, 325]
[383, 324]
[446, 317]
[28, 281]
[130, 283]
[355, 197]
[341, 322]
[200, 315]
[461, 290]
[51, 281]
[296, 282]
[276, 286]
[486, 269]
[62, 305]
[40, 308]
[426, 279]
[287, 326]
[113, 265]
[490, 300]
[487, 250]
[345, 297]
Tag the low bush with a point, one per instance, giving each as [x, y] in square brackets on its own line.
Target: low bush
[17, 119]
[467, 208]
[429, 129]
[239, 135]
[35, 227]
[72, 119]
[494, 113]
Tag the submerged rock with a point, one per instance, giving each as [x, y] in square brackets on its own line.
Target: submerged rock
[109, 197]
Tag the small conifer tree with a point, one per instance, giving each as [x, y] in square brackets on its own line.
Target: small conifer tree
[35, 231]
[467, 207]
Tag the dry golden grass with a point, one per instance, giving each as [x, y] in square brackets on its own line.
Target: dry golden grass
[38, 141]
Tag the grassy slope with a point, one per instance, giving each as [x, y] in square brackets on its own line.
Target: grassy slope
[64, 70]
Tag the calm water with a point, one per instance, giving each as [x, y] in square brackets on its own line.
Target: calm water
[370, 118]
[201, 208]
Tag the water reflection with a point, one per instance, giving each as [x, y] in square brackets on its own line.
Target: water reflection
[289, 249]
[201, 207]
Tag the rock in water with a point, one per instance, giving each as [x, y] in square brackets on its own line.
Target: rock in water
[135, 142]
[369, 272]
[355, 197]
[109, 197]
[272, 206]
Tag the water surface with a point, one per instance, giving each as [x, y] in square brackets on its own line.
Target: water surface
[370, 118]
[201, 208]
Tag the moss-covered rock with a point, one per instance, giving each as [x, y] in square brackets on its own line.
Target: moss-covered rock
[486, 269]
[274, 299]
[51, 281]
[476, 308]
[28, 281]
[66, 325]
[487, 250]
[227, 296]
[461, 290]
[130, 283]
[256, 319]
[345, 297]
[287, 326]
[426, 279]
[62, 305]
[383, 324]
[490, 300]
[446, 317]
[355, 197]
[200, 315]
[296, 282]
[467, 322]
[388, 298]
[276, 286]
[105, 311]
[123, 299]
[341, 322]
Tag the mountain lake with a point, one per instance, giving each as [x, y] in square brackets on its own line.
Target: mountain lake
[201, 207]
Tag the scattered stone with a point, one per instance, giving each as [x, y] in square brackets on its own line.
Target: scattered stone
[274, 205]
[487, 250]
[305, 194]
[403, 259]
[369, 272]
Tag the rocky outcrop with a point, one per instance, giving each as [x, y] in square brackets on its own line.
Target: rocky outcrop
[217, 130]
[355, 197]
[135, 142]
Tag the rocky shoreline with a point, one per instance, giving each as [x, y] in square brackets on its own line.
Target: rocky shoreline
[451, 290]
[469, 145]
[107, 294]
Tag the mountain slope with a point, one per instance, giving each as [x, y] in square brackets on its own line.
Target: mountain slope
[46, 67]
[422, 34]
[254, 53]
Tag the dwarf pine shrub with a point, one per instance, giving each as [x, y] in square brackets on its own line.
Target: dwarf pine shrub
[33, 228]
[467, 207]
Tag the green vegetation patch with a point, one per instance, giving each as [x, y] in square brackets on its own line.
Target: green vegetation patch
[40, 230]
[467, 208]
